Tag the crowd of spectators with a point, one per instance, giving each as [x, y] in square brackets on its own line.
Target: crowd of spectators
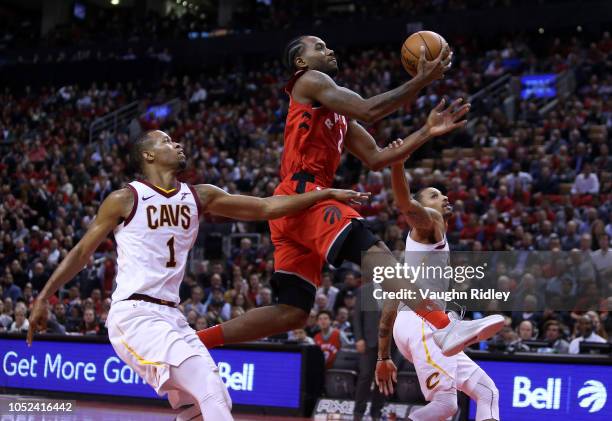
[539, 183]
[107, 25]
[100, 26]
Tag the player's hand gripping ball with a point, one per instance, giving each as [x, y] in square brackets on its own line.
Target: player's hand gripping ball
[427, 53]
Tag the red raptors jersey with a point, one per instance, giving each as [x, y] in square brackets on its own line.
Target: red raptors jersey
[330, 347]
[314, 139]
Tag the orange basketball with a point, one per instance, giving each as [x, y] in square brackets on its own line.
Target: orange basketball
[411, 49]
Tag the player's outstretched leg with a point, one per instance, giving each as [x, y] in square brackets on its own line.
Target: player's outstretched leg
[194, 377]
[254, 324]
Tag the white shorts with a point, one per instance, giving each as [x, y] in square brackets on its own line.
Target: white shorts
[151, 338]
[414, 338]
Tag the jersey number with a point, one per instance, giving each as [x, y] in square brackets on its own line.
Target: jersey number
[171, 263]
[340, 142]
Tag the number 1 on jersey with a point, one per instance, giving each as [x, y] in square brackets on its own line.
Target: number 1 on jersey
[171, 263]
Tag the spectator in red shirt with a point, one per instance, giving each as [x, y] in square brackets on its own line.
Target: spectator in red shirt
[329, 339]
[503, 203]
[472, 229]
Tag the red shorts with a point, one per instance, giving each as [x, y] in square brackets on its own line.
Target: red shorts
[303, 242]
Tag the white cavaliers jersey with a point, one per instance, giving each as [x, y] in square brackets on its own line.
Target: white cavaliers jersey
[154, 241]
[433, 255]
[412, 245]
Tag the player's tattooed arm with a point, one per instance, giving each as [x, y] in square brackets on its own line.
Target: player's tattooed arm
[316, 86]
[249, 208]
[385, 328]
[386, 371]
[116, 207]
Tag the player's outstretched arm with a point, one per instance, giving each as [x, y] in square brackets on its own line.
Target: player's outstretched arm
[386, 371]
[249, 208]
[319, 87]
[439, 122]
[116, 206]
[418, 216]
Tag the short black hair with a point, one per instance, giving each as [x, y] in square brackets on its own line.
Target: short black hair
[292, 50]
[325, 312]
[419, 194]
[138, 147]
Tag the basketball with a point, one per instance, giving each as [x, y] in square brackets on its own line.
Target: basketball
[411, 49]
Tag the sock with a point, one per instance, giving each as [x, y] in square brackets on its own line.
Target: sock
[433, 313]
[211, 337]
[437, 318]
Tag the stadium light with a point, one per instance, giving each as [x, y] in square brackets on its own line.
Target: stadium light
[541, 31]
[115, 2]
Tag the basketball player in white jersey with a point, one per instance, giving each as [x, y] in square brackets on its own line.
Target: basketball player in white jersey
[439, 376]
[155, 222]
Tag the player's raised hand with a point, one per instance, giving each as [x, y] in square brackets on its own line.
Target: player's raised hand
[38, 319]
[434, 69]
[444, 120]
[348, 196]
[385, 376]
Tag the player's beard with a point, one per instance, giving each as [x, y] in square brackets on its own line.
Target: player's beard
[447, 213]
[182, 164]
[331, 71]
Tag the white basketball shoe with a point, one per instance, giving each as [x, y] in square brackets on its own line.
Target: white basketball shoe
[459, 334]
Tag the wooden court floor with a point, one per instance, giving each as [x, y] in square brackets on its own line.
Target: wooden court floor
[105, 411]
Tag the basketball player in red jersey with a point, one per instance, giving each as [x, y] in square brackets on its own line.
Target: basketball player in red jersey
[322, 122]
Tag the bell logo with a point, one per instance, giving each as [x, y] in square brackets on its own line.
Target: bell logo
[237, 380]
[538, 398]
[593, 395]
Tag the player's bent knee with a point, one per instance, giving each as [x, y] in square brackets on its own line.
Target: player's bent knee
[489, 397]
[483, 389]
[293, 317]
[450, 407]
[443, 406]
[495, 393]
[215, 392]
[447, 404]
[199, 378]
